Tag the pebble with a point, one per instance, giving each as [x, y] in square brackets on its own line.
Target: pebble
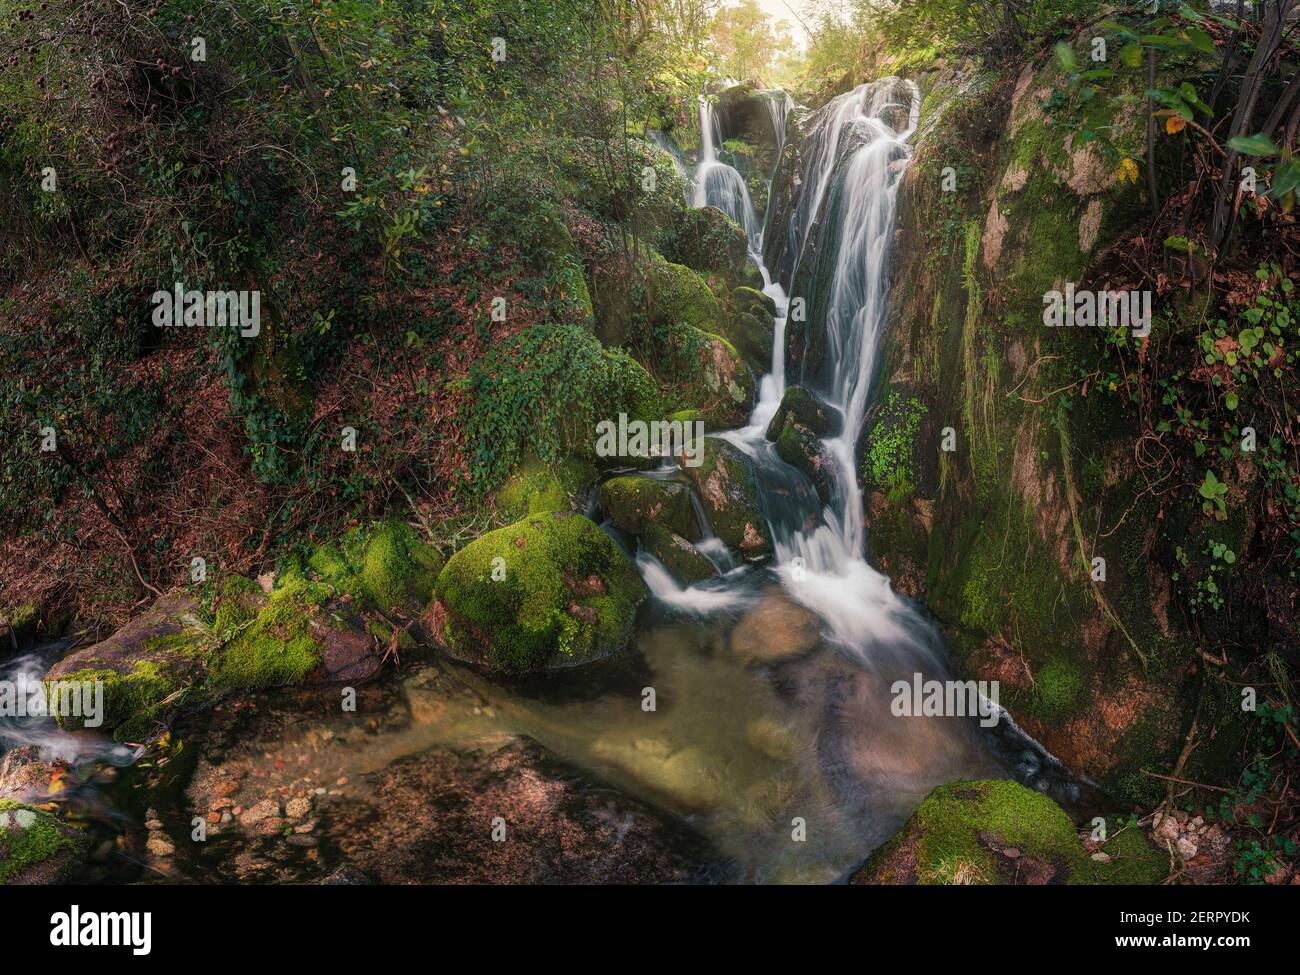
[160, 846]
[1186, 848]
[297, 808]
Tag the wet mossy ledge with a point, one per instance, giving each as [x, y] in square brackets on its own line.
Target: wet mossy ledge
[996, 831]
[549, 591]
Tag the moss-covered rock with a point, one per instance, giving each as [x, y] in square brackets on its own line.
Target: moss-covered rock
[277, 646]
[552, 590]
[384, 566]
[143, 668]
[675, 293]
[535, 487]
[752, 329]
[726, 487]
[709, 242]
[636, 503]
[718, 385]
[18, 625]
[804, 408]
[36, 847]
[678, 555]
[797, 427]
[999, 832]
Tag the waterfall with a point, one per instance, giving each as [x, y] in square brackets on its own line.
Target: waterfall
[853, 156]
[719, 185]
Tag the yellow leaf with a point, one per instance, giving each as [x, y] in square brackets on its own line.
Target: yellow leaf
[1128, 171]
[1175, 123]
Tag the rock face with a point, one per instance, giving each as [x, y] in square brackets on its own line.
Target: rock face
[550, 591]
[725, 486]
[999, 832]
[1022, 475]
[429, 819]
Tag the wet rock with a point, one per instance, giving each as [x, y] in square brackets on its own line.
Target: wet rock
[726, 488]
[679, 556]
[429, 819]
[776, 629]
[264, 810]
[636, 503]
[160, 845]
[349, 651]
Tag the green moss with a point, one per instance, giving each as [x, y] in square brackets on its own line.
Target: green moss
[28, 836]
[384, 566]
[277, 647]
[536, 487]
[542, 608]
[634, 503]
[238, 600]
[1059, 684]
[133, 701]
[961, 830]
[892, 443]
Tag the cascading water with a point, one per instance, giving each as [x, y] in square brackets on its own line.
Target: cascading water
[719, 185]
[854, 156]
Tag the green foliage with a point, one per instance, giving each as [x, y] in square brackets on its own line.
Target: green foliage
[544, 389]
[892, 443]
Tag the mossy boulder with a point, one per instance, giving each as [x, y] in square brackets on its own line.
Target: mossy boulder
[36, 847]
[727, 489]
[276, 646]
[636, 503]
[384, 566]
[999, 832]
[752, 326]
[708, 241]
[675, 293]
[143, 668]
[678, 555]
[536, 487]
[804, 408]
[552, 590]
[797, 427]
[718, 385]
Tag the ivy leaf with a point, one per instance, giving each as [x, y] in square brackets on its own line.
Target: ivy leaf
[1253, 145]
